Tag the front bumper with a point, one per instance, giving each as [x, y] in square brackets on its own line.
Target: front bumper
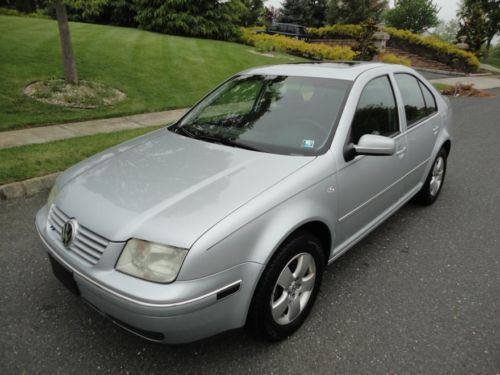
[180, 312]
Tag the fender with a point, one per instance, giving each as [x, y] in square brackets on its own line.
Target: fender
[263, 235]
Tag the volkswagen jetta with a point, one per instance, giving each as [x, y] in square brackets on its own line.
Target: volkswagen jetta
[229, 217]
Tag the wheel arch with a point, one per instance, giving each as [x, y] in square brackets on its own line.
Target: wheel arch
[318, 229]
[446, 146]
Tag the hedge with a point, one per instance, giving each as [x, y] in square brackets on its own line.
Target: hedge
[433, 48]
[334, 32]
[390, 58]
[296, 47]
[426, 46]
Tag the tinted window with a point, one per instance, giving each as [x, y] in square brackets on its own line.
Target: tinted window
[430, 101]
[278, 114]
[412, 98]
[376, 112]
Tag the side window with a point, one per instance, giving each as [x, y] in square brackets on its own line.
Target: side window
[412, 98]
[430, 101]
[376, 112]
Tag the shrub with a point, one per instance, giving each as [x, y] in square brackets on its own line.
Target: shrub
[433, 48]
[390, 58]
[201, 18]
[426, 46]
[14, 12]
[268, 46]
[297, 47]
[335, 32]
[365, 45]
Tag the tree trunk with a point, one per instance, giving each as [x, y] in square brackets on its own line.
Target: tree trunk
[488, 46]
[70, 74]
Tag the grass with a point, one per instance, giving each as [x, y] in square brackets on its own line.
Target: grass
[155, 71]
[494, 61]
[441, 86]
[494, 56]
[23, 162]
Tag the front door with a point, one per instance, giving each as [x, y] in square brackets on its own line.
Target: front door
[369, 185]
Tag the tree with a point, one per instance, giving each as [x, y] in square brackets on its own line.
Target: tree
[447, 31]
[365, 45]
[414, 15]
[254, 9]
[271, 14]
[200, 18]
[87, 7]
[472, 20]
[310, 13]
[492, 10]
[70, 73]
[355, 11]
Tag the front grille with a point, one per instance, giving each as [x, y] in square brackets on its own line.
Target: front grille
[87, 245]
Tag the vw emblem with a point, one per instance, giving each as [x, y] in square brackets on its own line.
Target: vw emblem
[68, 233]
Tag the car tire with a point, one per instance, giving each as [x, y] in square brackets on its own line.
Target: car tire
[434, 181]
[287, 288]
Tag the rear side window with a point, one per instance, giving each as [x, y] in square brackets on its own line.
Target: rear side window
[430, 101]
[376, 112]
[413, 99]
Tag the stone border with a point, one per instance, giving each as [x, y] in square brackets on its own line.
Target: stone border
[27, 188]
[452, 73]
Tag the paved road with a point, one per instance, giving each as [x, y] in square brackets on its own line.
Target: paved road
[419, 295]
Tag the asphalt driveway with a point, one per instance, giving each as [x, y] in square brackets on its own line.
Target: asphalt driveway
[421, 294]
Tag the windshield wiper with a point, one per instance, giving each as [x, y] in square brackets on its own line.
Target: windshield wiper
[182, 130]
[212, 139]
[225, 141]
[228, 142]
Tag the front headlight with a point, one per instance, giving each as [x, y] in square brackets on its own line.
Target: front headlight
[52, 195]
[151, 261]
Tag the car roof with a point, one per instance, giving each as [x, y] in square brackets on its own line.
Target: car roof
[348, 70]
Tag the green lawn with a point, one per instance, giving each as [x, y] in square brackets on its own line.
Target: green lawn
[155, 71]
[494, 60]
[440, 86]
[494, 56]
[23, 162]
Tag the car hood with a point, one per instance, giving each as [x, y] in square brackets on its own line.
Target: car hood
[168, 188]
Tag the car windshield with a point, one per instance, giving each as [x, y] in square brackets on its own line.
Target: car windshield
[276, 114]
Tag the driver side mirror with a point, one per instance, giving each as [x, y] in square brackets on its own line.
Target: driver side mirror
[371, 144]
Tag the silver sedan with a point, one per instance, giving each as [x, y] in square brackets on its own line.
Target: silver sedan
[229, 217]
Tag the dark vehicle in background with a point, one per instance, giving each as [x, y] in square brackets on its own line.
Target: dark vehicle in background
[287, 29]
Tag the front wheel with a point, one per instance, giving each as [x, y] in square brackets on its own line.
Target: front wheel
[288, 288]
[434, 182]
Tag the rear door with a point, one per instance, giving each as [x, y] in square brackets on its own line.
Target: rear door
[422, 124]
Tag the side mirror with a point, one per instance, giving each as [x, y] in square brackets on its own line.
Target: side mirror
[371, 144]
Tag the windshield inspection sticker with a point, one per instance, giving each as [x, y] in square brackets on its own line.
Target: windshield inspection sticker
[308, 143]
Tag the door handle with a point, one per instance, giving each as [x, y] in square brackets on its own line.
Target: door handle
[400, 152]
[435, 129]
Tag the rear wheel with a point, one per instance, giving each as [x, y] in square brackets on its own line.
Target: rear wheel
[288, 288]
[434, 182]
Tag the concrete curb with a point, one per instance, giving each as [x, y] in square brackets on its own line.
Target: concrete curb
[49, 133]
[443, 72]
[27, 188]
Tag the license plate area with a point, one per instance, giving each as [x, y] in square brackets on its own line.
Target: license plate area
[64, 275]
